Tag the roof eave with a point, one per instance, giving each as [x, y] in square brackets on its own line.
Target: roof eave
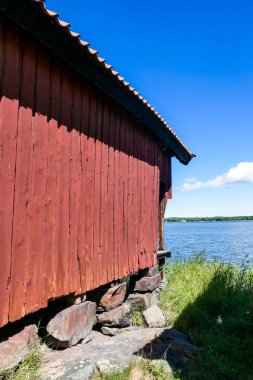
[59, 42]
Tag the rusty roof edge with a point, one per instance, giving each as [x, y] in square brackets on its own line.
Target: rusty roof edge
[58, 38]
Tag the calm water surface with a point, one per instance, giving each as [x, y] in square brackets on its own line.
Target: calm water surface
[227, 241]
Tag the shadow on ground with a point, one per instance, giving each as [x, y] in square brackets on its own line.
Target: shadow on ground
[220, 323]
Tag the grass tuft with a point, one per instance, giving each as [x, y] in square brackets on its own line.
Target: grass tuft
[28, 369]
[212, 303]
[136, 317]
[143, 369]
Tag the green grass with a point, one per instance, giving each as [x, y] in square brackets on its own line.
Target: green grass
[118, 375]
[213, 304]
[142, 370]
[136, 317]
[28, 369]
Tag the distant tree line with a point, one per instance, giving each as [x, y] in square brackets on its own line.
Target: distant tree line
[209, 219]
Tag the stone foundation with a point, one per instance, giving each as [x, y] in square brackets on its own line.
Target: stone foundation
[107, 309]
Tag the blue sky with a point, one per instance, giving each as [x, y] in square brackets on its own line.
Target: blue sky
[193, 61]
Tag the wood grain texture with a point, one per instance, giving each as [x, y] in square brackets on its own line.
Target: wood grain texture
[79, 181]
[9, 111]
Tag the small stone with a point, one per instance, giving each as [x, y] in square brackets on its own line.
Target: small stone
[148, 283]
[120, 316]
[154, 316]
[150, 272]
[113, 297]
[113, 331]
[143, 301]
[71, 325]
[138, 300]
[103, 365]
[154, 297]
[16, 348]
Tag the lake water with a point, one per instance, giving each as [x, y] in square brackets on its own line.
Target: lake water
[227, 241]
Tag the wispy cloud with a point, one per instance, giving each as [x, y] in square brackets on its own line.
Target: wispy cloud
[241, 173]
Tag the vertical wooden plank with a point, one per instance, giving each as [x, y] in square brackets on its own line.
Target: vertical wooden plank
[2, 48]
[38, 197]
[139, 200]
[137, 193]
[144, 200]
[148, 182]
[157, 193]
[8, 138]
[118, 194]
[152, 193]
[130, 199]
[141, 195]
[20, 250]
[104, 193]
[135, 199]
[110, 187]
[83, 143]
[4, 267]
[98, 218]
[75, 177]
[154, 201]
[150, 188]
[117, 245]
[62, 212]
[48, 247]
[114, 180]
[169, 195]
[127, 195]
[53, 174]
[123, 258]
[90, 186]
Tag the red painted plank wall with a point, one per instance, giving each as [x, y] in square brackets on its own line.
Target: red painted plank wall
[79, 181]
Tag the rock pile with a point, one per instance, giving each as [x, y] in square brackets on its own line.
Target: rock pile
[114, 310]
[108, 308]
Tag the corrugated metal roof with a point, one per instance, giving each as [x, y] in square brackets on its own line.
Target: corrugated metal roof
[108, 68]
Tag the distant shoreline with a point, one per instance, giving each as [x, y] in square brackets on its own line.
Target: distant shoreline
[209, 219]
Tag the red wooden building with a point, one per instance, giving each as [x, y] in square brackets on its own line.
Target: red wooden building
[85, 163]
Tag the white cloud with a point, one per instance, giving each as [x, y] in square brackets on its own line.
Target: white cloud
[241, 173]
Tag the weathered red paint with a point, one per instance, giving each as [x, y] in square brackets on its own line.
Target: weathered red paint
[79, 181]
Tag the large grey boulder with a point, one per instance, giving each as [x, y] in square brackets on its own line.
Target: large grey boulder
[16, 348]
[120, 316]
[154, 316]
[71, 325]
[148, 284]
[117, 352]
